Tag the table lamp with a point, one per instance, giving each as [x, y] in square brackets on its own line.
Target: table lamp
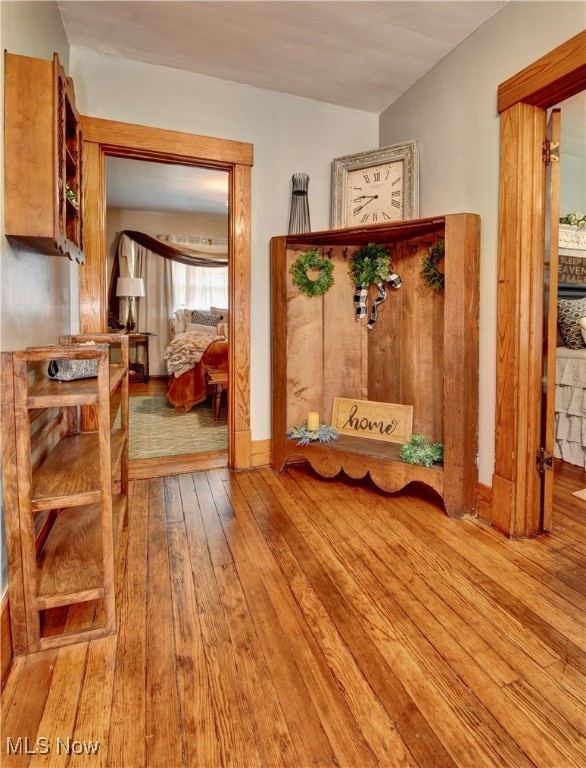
[130, 288]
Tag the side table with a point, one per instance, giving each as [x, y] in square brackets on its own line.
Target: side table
[141, 339]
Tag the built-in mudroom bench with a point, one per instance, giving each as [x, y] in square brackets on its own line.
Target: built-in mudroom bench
[422, 351]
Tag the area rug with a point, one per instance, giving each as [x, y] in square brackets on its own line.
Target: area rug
[157, 430]
[580, 494]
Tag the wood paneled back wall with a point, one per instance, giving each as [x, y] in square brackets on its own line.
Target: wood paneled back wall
[400, 360]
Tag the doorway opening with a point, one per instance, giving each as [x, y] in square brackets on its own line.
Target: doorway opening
[175, 406]
[103, 139]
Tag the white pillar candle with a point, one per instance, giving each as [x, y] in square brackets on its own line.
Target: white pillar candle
[313, 421]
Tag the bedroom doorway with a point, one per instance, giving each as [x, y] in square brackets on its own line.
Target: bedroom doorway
[522, 103]
[105, 138]
[186, 208]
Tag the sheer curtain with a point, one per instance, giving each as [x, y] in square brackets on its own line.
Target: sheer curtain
[154, 310]
[199, 287]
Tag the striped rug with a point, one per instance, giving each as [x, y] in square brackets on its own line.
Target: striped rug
[157, 430]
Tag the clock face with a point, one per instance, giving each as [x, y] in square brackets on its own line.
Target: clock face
[375, 195]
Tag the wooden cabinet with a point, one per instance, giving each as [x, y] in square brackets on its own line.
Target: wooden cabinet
[42, 156]
[65, 491]
[422, 351]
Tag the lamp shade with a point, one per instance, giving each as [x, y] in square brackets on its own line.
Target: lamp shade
[130, 286]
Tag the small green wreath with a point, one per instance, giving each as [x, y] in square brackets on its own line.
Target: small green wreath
[369, 264]
[430, 273]
[312, 260]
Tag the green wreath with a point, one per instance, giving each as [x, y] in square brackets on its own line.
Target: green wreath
[312, 260]
[430, 274]
[369, 264]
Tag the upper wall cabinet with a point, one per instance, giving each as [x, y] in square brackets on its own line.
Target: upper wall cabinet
[42, 155]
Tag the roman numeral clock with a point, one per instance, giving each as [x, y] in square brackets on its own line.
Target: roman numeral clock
[376, 187]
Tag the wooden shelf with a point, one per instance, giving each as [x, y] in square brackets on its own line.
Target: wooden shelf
[358, 457]
[48, 393]
[65, 487]
[70, 565]
[42, 150]
[70, 474]
[422, 352]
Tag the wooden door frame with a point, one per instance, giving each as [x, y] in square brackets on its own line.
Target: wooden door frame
[522, 103]
[108, 137]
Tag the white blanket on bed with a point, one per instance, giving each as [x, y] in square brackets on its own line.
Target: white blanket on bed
[186, 350]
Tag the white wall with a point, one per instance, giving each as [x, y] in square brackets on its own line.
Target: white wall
[572, 183]
[35, 295]
[452, 112]
[289, 134]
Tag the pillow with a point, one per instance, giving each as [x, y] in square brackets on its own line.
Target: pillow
[209, 330]
[570, 312]
[202, 317]
[583, 328]
[179, 323]
[224, 313]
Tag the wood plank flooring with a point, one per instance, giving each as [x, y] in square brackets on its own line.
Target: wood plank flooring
[288, 620]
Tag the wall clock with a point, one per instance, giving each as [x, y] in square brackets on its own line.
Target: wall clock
[376, 187]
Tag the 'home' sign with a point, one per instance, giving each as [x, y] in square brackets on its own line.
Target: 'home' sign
[376, 421]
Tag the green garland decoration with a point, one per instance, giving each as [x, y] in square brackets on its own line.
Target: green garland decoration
[430, 274]
[312, 260]
[304, 436]
[419, 451]
[369, 264]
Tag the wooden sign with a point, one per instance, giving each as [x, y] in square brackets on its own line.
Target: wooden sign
[375, 421]
[572, 269]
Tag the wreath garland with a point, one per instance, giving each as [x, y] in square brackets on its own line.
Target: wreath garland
[369, 264]
[307, 286]
[430, 273]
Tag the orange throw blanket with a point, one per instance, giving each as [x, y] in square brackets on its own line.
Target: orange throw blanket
[189, 389]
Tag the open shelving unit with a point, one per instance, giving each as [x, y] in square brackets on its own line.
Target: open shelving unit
[43, 149]
[65, 490]
[422, 351]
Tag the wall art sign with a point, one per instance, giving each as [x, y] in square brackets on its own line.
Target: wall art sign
[376, 421]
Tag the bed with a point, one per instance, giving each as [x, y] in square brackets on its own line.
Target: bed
[570, 406]
[570, 380]
[194, 350]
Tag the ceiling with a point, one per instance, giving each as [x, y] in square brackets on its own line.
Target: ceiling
[138, 185]
[361, 54]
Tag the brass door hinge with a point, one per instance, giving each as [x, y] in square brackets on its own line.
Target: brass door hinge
[544, 460]
[551, 152]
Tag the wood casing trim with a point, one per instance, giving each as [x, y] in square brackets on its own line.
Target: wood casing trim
[6, 653]
[107, 137]
[549, 80]
[521, 237]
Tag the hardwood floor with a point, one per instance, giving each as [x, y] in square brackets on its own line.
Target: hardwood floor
[288, 620]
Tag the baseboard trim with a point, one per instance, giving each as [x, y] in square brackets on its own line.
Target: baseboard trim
[484, 496]
[261, 454]
[177, 465]
[5, 637]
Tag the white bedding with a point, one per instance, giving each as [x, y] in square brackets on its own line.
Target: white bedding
[570, 406]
